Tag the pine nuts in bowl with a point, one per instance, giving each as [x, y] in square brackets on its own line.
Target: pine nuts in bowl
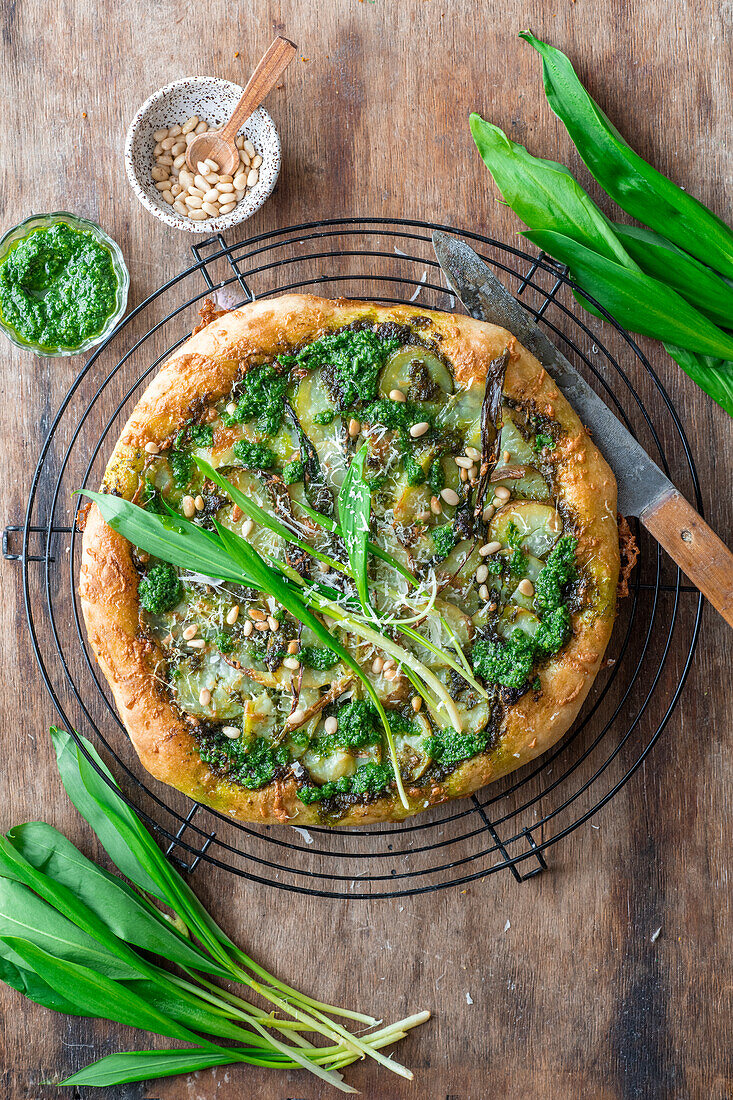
[158, 135]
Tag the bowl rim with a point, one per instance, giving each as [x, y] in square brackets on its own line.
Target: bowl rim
[41, 220]
[174, 220]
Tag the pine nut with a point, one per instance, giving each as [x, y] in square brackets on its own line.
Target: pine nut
[231, 732]
[202, 168]
[152, 448]
[190, 138]
[273, 623]
[174, 131]
[204, 697]
[159, 173]
[463, 475]
[190, 125]
[227, 207]
[231, 408]
[435, 506]
[473, 453]
[256, 161]
[211, 164]
[261, 626]
[167, 144]
[488, 512]
[249, 147]
[193, 201]
[160, 135]
[247, 528]
[199, 502]
[483, 592]
[197, 643]
[197, 215]
[397, 395]
[490, 548]
[185, 178]
[354, 427]
[180, 207]
[252, 178]
[232, 615]
[190, 632]
[225, 179]
[473, 473]
[419, 429]
[257, 615]
[189, 508]
[224, 187]
[482, 573]
[178, 148]
[168, 197]
[157, 150]
[331, 724]
[505, 455]
[201, 128]
[502, 493]
[450, 496]
[164, 159]
[296, 717]
[247, 629]
[292, 647]
[526, 587]
[239, 195]
[377, 665]
[179, 161]
[391, 674]
[163, 184]
[176, 189]
[210, 209]
[239, 141]
[416, 704]
[464, 463]
[292, 663]
[201, 183]
[240, 181]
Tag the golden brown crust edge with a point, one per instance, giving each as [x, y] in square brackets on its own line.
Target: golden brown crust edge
[204, 370]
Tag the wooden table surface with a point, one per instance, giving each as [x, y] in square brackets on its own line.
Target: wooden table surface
[570, 996]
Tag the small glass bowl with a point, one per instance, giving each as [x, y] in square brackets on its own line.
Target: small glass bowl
[43, 221]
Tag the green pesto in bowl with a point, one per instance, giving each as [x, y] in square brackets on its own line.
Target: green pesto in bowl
[63, 284]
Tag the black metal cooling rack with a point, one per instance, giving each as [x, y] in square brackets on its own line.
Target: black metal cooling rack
[509, 825]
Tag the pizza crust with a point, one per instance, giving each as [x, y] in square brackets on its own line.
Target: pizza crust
[203, 371]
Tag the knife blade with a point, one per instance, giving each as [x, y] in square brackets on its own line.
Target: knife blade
[643, 489]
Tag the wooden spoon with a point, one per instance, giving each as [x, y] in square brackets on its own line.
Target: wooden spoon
[218, 145]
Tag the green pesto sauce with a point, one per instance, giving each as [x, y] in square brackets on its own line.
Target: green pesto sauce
[58, 287]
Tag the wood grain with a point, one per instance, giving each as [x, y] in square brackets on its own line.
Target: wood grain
[572, 999]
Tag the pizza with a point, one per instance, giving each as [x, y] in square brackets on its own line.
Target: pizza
[458, 613]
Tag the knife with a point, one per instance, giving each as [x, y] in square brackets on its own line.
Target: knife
[643, 490]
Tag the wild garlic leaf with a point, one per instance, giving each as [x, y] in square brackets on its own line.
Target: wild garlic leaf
[163, 537]
[96, 994]
[15, 974]
[635, 300]
[25, 916]
[638, 188]
[148, 1065]
[126, 913]
[127, 842]
[354, 508]
[544, 194]
[715, 376]
[700, 285]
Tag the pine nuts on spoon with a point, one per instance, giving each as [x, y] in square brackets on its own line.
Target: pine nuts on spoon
[207, 192]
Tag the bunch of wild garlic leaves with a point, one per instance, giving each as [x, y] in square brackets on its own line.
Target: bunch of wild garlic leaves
[671, 279]
[82, 941]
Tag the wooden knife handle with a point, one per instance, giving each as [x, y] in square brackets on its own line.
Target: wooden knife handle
[698, 551]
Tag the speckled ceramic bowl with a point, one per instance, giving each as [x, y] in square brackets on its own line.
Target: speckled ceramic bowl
[212, 100]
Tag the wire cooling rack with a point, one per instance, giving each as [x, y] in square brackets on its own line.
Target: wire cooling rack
[507, 826]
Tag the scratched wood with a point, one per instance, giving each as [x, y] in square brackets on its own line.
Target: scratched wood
[570, 996]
